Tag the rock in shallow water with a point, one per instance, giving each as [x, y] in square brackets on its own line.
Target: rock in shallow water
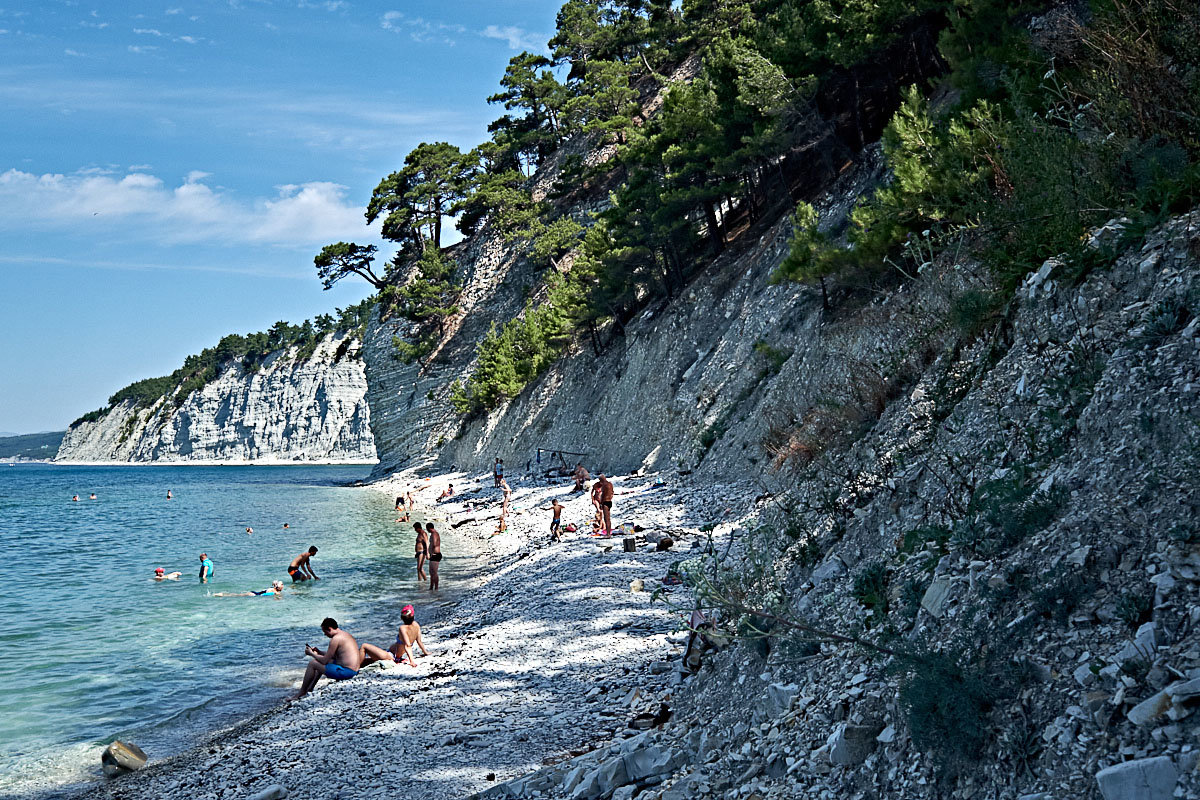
[121, 757]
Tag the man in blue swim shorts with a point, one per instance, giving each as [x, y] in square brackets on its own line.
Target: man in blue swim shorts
[339, 662]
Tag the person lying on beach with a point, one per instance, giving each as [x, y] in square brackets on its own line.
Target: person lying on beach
[341, 661]
[276, 590]
[401, 651]
[421, 549]
[301, 565]
[161, 574]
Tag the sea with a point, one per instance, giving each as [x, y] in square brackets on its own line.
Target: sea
[93, 649]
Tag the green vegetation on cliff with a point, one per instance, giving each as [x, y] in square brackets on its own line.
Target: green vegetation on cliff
[250, 351]
[1008, 129]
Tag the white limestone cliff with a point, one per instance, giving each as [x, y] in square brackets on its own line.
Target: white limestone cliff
[311, 409]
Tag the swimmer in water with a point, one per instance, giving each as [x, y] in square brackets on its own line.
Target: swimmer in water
[286, 525]
[93, 497]
[75, 499]
[275, 590]
[169, 495]
[161, 574]
[251, 530]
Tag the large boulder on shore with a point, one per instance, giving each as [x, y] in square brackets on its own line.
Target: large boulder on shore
[121, 757]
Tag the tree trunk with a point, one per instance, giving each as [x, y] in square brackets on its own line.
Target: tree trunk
[714, 229]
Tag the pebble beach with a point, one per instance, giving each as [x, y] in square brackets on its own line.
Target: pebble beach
[549, 651]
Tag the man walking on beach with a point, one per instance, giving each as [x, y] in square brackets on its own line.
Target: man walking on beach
[606, 498]
[435, 554]
[301, 564]
[557, 508]
[206, 568]
[340, 662]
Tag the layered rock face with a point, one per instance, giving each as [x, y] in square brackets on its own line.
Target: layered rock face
[684, 387]
[313, 409]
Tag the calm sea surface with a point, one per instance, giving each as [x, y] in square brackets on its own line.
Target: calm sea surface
[94, 649]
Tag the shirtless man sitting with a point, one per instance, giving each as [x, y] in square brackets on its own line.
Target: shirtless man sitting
[300, 564]
[339, 662]
[581, 477]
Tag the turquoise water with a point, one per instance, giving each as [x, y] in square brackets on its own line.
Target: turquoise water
[95, 649]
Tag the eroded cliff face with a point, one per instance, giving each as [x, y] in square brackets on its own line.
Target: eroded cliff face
[683, 388]
[312, 409]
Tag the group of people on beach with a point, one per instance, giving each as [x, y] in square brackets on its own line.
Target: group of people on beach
[344, 657]
[428, 546]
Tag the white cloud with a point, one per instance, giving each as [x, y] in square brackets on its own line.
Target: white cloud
[174, 11]
[517, 38]
[149, 32]
[189, 39]
[142, 48]
[71, 52]
[420, 29]
[328, 5]
[97, 25]
[139, 205]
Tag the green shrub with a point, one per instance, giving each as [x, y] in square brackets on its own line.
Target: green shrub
[871, 588]
[917, 538]
[947, 707]
[1133, 608]
[1168, 317]
[775, 357]
[975, 311]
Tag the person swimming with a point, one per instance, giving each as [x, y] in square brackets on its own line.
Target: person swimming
[275, 590]
[161, 574]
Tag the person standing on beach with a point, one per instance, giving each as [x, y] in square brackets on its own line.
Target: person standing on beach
[340, 662]
[557, 508]
[422, 549]
[507, 495]
[435, 554]
[206, 568]
[498, 471]
[606, 498]
[301, 564]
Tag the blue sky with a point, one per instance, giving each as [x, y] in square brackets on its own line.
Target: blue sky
[168, 170]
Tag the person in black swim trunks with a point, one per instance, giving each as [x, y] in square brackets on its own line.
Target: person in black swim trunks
[300, 566]
[435, 554]
[606, 498]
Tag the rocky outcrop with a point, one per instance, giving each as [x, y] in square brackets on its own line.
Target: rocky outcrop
[312, 409]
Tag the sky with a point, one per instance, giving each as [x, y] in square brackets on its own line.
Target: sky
[168, 170]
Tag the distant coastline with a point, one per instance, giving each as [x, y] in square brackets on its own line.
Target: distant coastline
[260, 462]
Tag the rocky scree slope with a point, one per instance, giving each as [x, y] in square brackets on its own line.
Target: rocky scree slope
[1013, 535]
[312, 409]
